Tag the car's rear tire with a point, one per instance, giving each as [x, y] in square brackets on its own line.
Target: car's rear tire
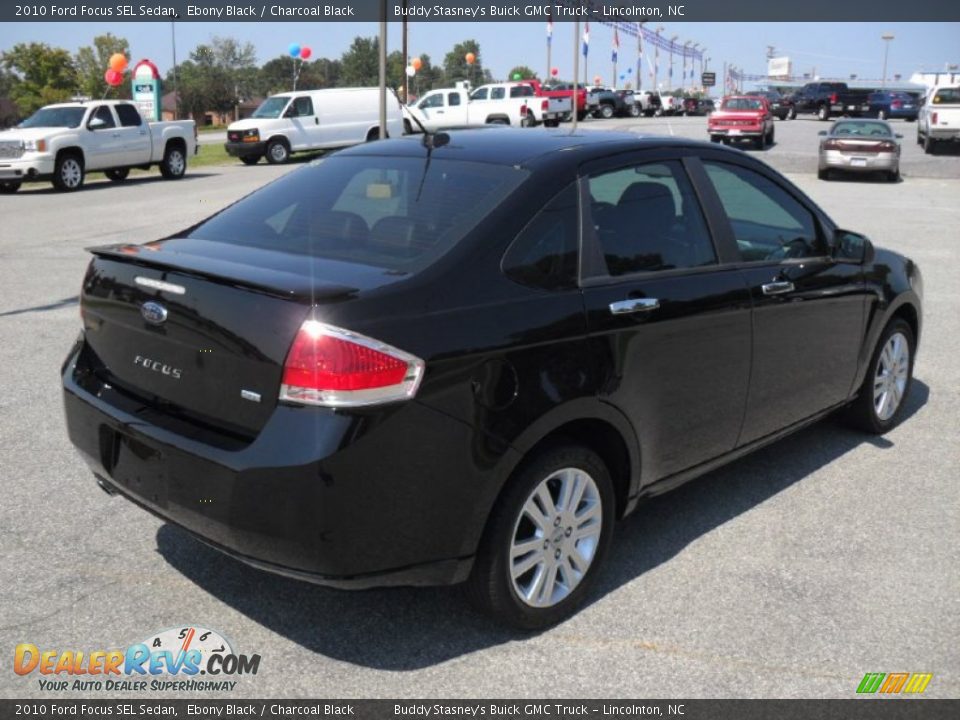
[881, 114]
[772, 135]
[528, 120]
[715, 138]
[792, 115]
[546, 539]
[886, 387]
[250, 159]
[894, 176]
[634, 110]
[9, 187]
[823, 174]
[68, 172]
[823, 113]
[117, 174]
[929, 145]
[174, 163]
[606, 111]
[278, 152]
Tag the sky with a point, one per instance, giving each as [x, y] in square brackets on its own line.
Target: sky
[828, 49]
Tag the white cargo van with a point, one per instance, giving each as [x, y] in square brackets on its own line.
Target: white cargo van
[311, 120]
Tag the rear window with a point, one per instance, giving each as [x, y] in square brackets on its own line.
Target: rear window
[742, 104]
[862, 128]
[947, 96]
[399, 214]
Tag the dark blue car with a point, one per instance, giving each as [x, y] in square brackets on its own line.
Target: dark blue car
[889, 105]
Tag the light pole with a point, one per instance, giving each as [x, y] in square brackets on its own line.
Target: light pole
[685, 46]
[886, 37]
[693, 65]
[670, 75]
[656, 59]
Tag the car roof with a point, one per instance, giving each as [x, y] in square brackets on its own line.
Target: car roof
[517, 146]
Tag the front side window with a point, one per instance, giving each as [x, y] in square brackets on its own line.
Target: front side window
[768, 223]
[129, 116]
[432, 101]
[480, 94]
[103, 113]
[646, 218]
[453, 99]
[544, 254]
[302, 107]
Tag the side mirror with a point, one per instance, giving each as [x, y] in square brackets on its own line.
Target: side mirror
[822, 133]
[849, 246]
[290, 112]
[97, 124]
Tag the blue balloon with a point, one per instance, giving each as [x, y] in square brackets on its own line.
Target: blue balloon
[622, 76]
[294, 50]
[629, 71]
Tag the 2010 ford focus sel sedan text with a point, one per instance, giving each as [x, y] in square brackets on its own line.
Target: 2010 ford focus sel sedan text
[464, 357]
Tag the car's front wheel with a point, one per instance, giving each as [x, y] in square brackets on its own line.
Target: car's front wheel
[879, 406]
[9, 187]
[174, 163]
[68, 172]
[278, 152]
[546, 539]
[250, 159]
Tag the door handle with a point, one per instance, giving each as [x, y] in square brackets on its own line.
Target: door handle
[316, 121]
[143, 132]
[777, 288]
[625, 307]
[116, 135]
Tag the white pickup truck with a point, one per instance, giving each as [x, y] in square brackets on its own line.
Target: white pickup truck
[939, 119]
[64, 142]
[498, 104]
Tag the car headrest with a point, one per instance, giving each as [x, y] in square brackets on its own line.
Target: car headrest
[651, 203]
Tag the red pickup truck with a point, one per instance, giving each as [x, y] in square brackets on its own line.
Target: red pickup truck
[562, 90]
[742, 117]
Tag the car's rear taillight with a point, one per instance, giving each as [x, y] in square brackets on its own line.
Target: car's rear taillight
[933, 119]
[834, 98]
[896, 105]
[887, 147]
[545, 105]
[333, 367]
[831, 145]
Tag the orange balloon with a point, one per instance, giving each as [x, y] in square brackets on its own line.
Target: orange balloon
[417, 63]
[470, 58]
[118, 62]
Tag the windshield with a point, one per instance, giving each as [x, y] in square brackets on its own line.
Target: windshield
[856, 128]
[271, 107]
[69, 117]
[399, 214]
[742, 104]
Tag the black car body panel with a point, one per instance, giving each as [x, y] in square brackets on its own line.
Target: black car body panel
[401, 493]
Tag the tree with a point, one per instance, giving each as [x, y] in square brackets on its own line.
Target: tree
[92, 61]
[44, 75]
[523, 71]
[455, 65]
[360, 65]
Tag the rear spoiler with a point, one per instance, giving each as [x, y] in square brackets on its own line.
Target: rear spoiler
[294, 286]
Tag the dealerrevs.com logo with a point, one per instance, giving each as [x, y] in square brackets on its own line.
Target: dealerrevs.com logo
[170, 660]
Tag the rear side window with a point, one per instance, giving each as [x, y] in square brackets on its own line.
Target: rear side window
[129, 116]
[498, 93]
[521, 91]
[544, 254]
[768, 223]
[399, 214]
[453, 99]
[647, 218]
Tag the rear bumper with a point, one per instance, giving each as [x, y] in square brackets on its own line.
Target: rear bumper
[349, 501]
[849, 109]
[944, 134]
[242, 149]
[859, 163]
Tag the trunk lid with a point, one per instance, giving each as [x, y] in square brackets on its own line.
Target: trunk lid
[201, 329]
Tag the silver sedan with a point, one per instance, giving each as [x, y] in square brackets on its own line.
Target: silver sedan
[860, 145]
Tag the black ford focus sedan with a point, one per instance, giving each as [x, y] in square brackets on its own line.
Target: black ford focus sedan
[465, 357]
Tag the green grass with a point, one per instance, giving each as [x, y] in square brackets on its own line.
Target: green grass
[211, 154]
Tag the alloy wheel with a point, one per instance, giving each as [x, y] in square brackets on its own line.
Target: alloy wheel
[893, 373]
[176, 163]
[71, 174]
[556, 537]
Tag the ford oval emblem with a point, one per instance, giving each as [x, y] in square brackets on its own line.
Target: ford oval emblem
[154, 313]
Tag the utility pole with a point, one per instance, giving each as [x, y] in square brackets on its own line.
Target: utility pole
[406, 57]
[176, 95]
[576, 71]
[672, 41]
[383, 69]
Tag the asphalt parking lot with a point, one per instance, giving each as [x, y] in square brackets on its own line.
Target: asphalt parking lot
[790, 573]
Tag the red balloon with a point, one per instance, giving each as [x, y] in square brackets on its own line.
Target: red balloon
[305, 53]
[554, 71]
[112, 77]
